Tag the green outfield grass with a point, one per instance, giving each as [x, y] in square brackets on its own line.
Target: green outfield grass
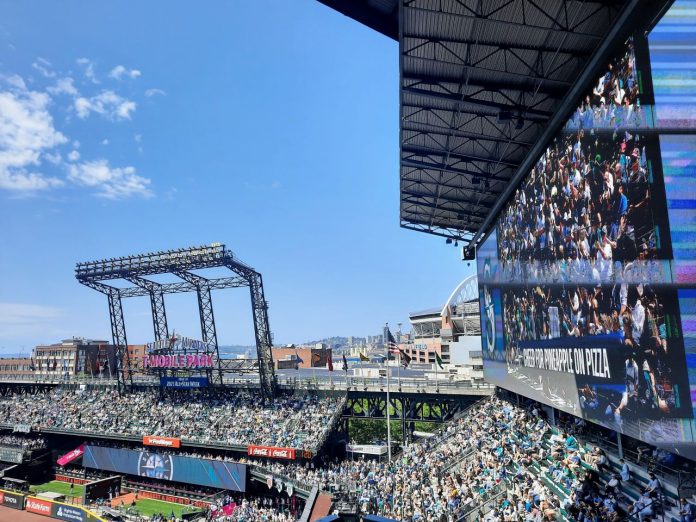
[56, 486]
[148, 507]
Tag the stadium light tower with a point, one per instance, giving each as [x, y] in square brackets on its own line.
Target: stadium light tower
[98, 274]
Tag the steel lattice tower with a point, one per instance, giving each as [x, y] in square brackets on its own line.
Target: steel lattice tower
[97, 274]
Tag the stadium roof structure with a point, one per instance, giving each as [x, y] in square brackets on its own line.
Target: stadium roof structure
[484, 86]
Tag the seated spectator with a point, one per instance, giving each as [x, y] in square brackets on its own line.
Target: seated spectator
[687, 511]
[613, 485]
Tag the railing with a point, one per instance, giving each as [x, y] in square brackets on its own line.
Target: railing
[464, 457]
[492, 498]
[338, 383]
[263, 472]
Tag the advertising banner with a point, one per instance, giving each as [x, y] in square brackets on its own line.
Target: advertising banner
[39, 506]
[11, 500]
[271, 452]
[72, 455]
[68, 513]
[150, 463]
[184, 382]
[164, 442]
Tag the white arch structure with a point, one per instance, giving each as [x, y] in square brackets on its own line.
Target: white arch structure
[465, 292]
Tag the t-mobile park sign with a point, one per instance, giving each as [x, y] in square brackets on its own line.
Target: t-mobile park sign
[178, 361]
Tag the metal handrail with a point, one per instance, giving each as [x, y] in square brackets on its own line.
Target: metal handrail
[477, 510]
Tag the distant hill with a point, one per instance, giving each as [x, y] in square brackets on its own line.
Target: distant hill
[233, 351]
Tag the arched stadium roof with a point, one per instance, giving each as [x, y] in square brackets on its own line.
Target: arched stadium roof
[484, 86]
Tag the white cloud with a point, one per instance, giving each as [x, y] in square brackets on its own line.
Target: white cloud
[120, 71]
[64, 86]
[111, 182]
[105, 141]
[17, 82]
[138, 138]
[89, 69]
[73, 155]
[54, 158]
[76, 144]
[154, 92]
[27, 135]
[108, 104]
[44, 67]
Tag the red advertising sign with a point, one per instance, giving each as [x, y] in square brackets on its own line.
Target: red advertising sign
[271, 452]
[72, 455]
[165, 442]
[38, 506]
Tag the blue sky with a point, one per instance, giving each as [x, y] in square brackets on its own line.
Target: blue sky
[270, 126]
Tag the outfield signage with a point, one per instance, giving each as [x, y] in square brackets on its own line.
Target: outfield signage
[11, 500]
[184, 382]
[68, 513]
[59, 510]
[39, 506]
[72, 455]
[164, 442]
[271, 452]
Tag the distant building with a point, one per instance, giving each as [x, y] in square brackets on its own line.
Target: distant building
[74, 357]
[290, 357]
[452, 331]
[16, 367]
[136, 353]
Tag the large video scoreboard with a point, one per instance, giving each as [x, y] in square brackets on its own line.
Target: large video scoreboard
[588, 280]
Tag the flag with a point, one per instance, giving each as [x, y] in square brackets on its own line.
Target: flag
[32, 368]
[55, 364]
[345, 363]
[299, 359]
[329, 362]
[392, 347]
[405, 358]
[39, 364]
[364, 358]
[438, 359]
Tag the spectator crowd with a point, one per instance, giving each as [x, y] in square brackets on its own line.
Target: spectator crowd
[498, 463]
[224, 417]
[23, 442]
[615, 98]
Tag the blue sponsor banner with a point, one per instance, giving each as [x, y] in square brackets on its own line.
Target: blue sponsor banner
[164, 466]
[184, 382]
[68, 513]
